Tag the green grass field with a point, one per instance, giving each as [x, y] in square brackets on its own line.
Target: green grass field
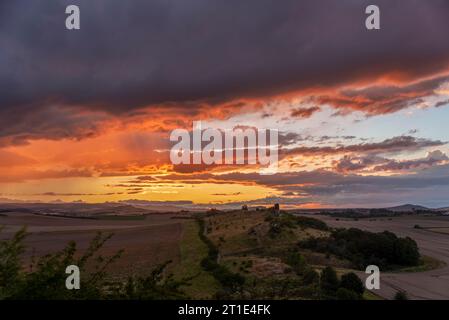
[426, 263]
[193, 250]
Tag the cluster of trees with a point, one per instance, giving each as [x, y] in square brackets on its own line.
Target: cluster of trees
[45, 278]
[375, 213]
[289, 221]
[349, 287]
[230, 282]
[325, 285]
[307, 222]
[364, 248]
[310, 284]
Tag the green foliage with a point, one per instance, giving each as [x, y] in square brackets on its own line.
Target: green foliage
[353, 283]
[307, 222]
[346, 294]
[329, 282]
[230, 281]
[277, 288]
[401, 295]
[363, 248]
[289, 221]
[10, 265]
[152, 287]
[310, 277]
[296, 261]
[350, 287]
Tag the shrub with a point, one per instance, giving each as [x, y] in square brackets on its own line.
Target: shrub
[310, 277]
[46, 279]
[352, 282]
[329, 281]
[401, 295]
[346, 294]
[296, 261]
[307, 222]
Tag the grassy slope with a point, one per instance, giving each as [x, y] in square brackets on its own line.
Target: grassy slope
[120, 218]
[368, 295]
[426, 263]
[193, 250]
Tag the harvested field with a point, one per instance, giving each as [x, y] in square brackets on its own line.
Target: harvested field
[146, 243]
[432, 284]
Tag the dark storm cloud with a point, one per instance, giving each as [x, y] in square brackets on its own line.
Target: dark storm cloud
[349, 164]
[441, 103]
[130, 54]
[19, 125]
[379, 99]
[391, 145]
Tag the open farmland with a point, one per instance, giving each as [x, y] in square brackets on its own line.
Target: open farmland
[432, 284]
[147, 242]
[217, 248]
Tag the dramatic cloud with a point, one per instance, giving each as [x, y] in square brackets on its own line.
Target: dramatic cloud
[395, 144]
[378, 164]
[134, 54]
[349, 163]
[87, 113]
[20, 124]
[381, 99]
[433, 158]
[304, 112]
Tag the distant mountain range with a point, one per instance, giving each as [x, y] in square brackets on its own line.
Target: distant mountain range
[407, 208]
[133, 207]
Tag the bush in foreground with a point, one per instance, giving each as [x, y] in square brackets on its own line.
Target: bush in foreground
[352, 282]
[45, 279]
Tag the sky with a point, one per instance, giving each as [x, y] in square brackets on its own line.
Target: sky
[362, 114]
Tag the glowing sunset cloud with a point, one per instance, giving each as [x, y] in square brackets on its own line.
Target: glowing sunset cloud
[361, 116]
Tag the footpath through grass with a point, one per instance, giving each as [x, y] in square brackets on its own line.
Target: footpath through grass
[202, 284]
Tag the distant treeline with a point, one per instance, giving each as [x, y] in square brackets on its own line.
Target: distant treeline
[374, 213]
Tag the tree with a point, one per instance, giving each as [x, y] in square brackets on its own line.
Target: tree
[401, 295]
[10, 264]
[407, 251]
[329, 281]
[296, 261]
[352, 282]
[310, 277]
